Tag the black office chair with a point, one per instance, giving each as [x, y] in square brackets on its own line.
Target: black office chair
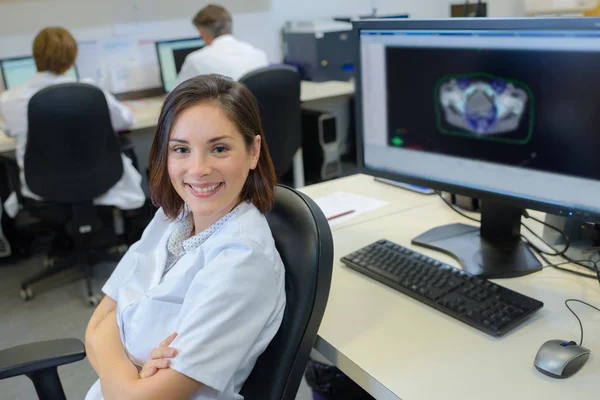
[72, 156]
[277, 90]
[303, 238]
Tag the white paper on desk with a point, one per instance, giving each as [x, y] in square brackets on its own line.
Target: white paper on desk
[341, 202]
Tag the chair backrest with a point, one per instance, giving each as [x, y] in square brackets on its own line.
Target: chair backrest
[72, 153]
[277, 90]
[304, 241]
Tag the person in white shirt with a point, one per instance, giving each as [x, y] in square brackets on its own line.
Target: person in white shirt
[199, 297]
[54, 52]
[223, 53]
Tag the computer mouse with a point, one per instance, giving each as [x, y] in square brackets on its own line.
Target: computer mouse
[560, 358]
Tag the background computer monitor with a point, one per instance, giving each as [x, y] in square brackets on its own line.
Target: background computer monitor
[370, 16]
[505, 111]
[16, 71]
[385, 16]
[171, 55]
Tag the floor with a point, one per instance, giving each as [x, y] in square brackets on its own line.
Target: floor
[57, 311]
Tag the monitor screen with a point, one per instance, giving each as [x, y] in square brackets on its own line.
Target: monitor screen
[485, 109]
[16, 71]
[171, 55]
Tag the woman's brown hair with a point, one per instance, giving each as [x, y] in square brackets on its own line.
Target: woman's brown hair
[54, 50]
[241, 107]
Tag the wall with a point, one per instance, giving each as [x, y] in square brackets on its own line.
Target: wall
[260, 28]
[84, 13]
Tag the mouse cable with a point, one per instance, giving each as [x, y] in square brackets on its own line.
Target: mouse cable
[536, 248]
[554, 228]
[595, 268]
[573, 312]
[562, 253]
[555, 253]
[557, 265]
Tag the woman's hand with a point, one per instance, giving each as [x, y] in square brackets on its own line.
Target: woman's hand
[159, 357]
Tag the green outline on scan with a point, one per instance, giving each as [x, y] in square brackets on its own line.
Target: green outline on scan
[471, 136]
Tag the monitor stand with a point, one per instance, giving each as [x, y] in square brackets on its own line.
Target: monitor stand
[493, 251]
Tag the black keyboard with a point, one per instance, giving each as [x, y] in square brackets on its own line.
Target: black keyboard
[478, 302]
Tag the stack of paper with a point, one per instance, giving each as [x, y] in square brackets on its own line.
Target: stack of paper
[343, 206]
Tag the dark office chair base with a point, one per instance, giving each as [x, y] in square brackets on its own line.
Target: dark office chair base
[55, 265]
[84, 260]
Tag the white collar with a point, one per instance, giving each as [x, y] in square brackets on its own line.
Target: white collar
[228, 37]
[180, 241]
[45, 75]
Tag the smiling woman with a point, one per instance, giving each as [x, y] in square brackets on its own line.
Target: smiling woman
[192, 305]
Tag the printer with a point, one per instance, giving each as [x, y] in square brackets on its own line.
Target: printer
[322, 50]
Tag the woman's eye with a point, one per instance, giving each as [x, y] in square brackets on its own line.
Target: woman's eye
[220, 149]
[181, 150]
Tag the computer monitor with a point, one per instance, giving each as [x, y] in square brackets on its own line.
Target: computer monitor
[171, 55]
[16, 71]
[371, 16]
[385, 16]
[503, 110]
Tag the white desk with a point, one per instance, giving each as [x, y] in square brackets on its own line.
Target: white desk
[364, 185]
[147, 112]
[7, 144]
[313, 91]
[398, 348]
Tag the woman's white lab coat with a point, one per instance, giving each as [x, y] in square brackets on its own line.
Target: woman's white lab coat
[225, 299]
[126, 194]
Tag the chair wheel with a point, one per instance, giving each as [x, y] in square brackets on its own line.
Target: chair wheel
[48, 262]
[26, 294]
[122, 249]
[93, 301]
[119, 250]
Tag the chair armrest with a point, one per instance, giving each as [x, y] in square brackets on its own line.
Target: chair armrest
[32, 357]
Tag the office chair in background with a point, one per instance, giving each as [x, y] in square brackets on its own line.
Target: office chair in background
[304, 241]
[277, 89]
[72, 157]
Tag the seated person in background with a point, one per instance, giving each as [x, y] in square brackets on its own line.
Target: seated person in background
[205, 278]
[54, 52]
[223, 54]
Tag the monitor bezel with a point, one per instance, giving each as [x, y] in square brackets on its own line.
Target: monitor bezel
[3, 60]
[581, 24]
[160, 66]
